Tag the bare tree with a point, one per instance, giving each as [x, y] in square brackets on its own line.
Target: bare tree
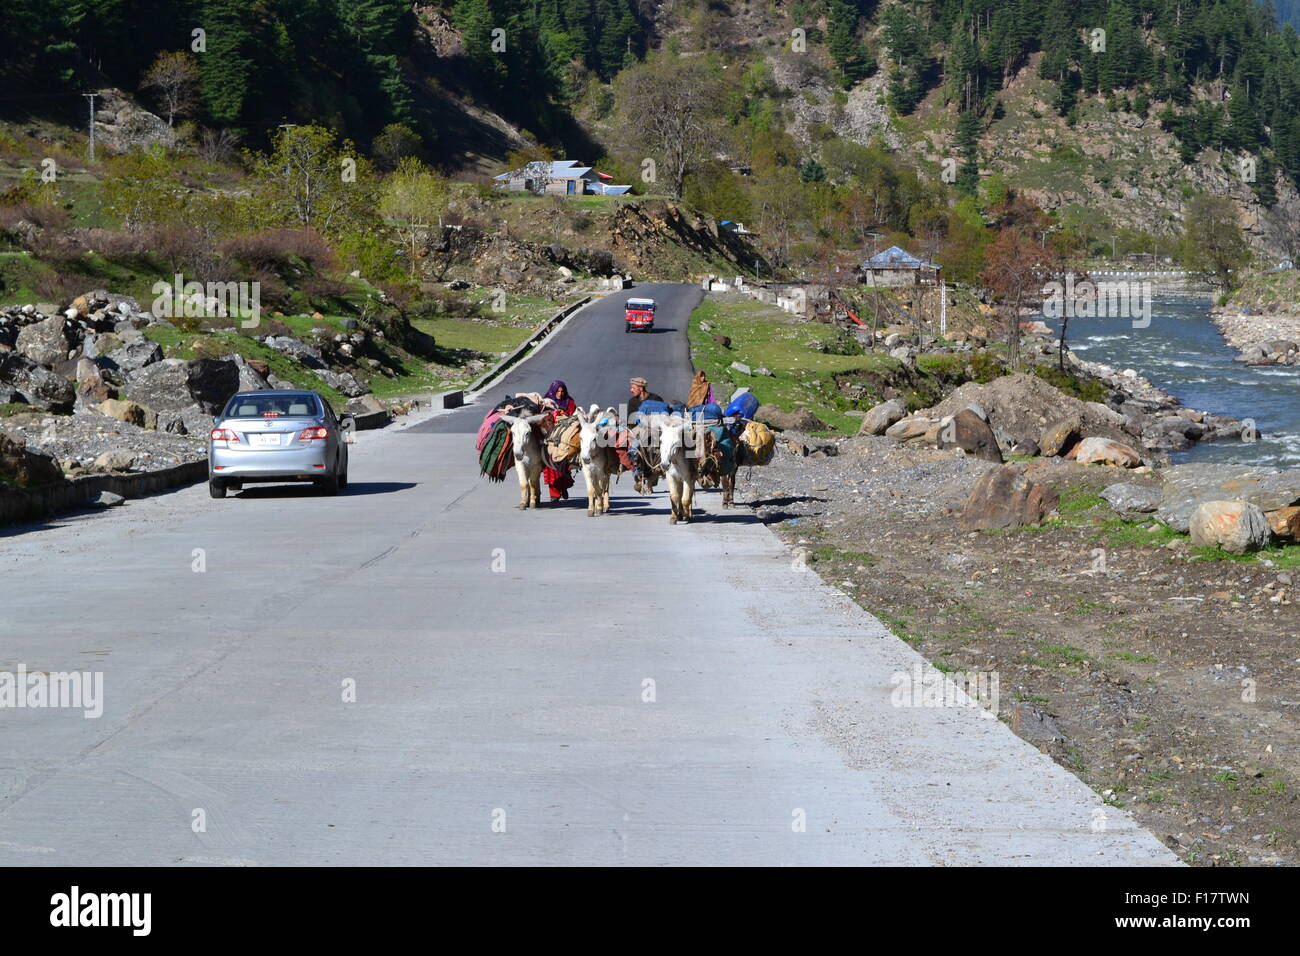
[218, 145]
[1016, 269]
[175, 76]
[668, 108]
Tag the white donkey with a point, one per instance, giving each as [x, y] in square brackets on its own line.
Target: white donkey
[598, 457]
[526, 443]
[679, 460]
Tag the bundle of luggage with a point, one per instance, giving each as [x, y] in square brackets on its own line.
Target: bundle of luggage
[495, 448]
[564, 439]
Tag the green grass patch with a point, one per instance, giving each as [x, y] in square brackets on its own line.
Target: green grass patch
[1282, 555]
[899, 626]
[1065, 652]
[1086, 391]
[1116, 533]
[476, 335]
[1077, 502]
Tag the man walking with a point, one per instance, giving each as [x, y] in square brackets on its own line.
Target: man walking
[640, 393]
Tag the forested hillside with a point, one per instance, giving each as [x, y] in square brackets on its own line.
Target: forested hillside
[829, 125]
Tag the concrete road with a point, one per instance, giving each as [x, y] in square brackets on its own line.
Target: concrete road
[417, 673]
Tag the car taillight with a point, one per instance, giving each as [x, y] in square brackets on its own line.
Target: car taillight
[224, 434]
[311, 434]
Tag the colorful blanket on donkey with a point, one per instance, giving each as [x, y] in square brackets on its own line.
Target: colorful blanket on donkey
[496, 456]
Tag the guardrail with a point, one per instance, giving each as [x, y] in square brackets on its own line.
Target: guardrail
[33, 504]
[542, 332]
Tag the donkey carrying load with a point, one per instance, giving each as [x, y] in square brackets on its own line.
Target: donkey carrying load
[511, 436]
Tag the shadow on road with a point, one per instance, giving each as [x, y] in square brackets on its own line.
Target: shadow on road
[701, 517]
[308, 491]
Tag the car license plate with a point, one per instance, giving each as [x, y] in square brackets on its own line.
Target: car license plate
[261, 440]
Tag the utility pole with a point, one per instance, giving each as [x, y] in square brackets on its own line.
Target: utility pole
[91, 98]
[943, 308]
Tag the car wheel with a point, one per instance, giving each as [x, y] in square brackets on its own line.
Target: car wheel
[328, 486]
[343, 477]
[216, 489]
[627, 328]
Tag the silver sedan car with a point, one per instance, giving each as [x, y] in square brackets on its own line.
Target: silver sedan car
[277, 435]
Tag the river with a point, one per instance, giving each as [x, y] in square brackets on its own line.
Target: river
[1183, 353]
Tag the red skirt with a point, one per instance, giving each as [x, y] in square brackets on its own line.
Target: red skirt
[558, 480]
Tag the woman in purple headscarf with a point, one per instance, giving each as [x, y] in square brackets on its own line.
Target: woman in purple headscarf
[559, 479]
[558, 396]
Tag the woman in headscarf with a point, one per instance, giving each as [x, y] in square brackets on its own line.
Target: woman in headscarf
[558, 398]
[559, 478]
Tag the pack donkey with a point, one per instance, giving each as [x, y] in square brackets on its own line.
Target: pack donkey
[526, 443]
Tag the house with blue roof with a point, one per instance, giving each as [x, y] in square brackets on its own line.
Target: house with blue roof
[561, 177]
[897, 267]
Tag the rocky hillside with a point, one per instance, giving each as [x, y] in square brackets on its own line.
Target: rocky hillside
[106, 386]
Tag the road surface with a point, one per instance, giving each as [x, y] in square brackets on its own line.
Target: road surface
[417, 673]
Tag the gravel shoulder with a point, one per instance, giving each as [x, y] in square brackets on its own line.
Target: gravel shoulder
[1166, 681]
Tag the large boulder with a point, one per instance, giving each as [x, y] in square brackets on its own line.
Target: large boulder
[1285, 523]
[1172, 433]
[45, 343]
[38, 386]
[800, 420]
[308, 355]
[1024, 406]
[252, 376]
[98, 344]
[1059, 437]
[1127, 499]
[343, 382]
[1005, 498]
[135, 355]
[25, 466]
[173, 385]
[163, 386]
[912, 429]
[1105, 451]
[119, 459]
[1235, 526]
[132, 413]
[972, 434]
[1187, 486]
[879, 418]
[212, 382]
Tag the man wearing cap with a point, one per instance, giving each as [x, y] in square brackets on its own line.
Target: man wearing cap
[640, 394]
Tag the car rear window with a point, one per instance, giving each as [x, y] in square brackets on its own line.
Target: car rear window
[272, 406]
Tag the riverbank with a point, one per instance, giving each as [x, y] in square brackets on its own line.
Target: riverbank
[1183, 352]
[1259, 339]
[1261, 318]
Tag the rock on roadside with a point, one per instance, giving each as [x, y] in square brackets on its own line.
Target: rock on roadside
[881, 417]
[1005, 498]
[1235, 526]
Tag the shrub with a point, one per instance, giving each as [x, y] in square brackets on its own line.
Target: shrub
[279, 250]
